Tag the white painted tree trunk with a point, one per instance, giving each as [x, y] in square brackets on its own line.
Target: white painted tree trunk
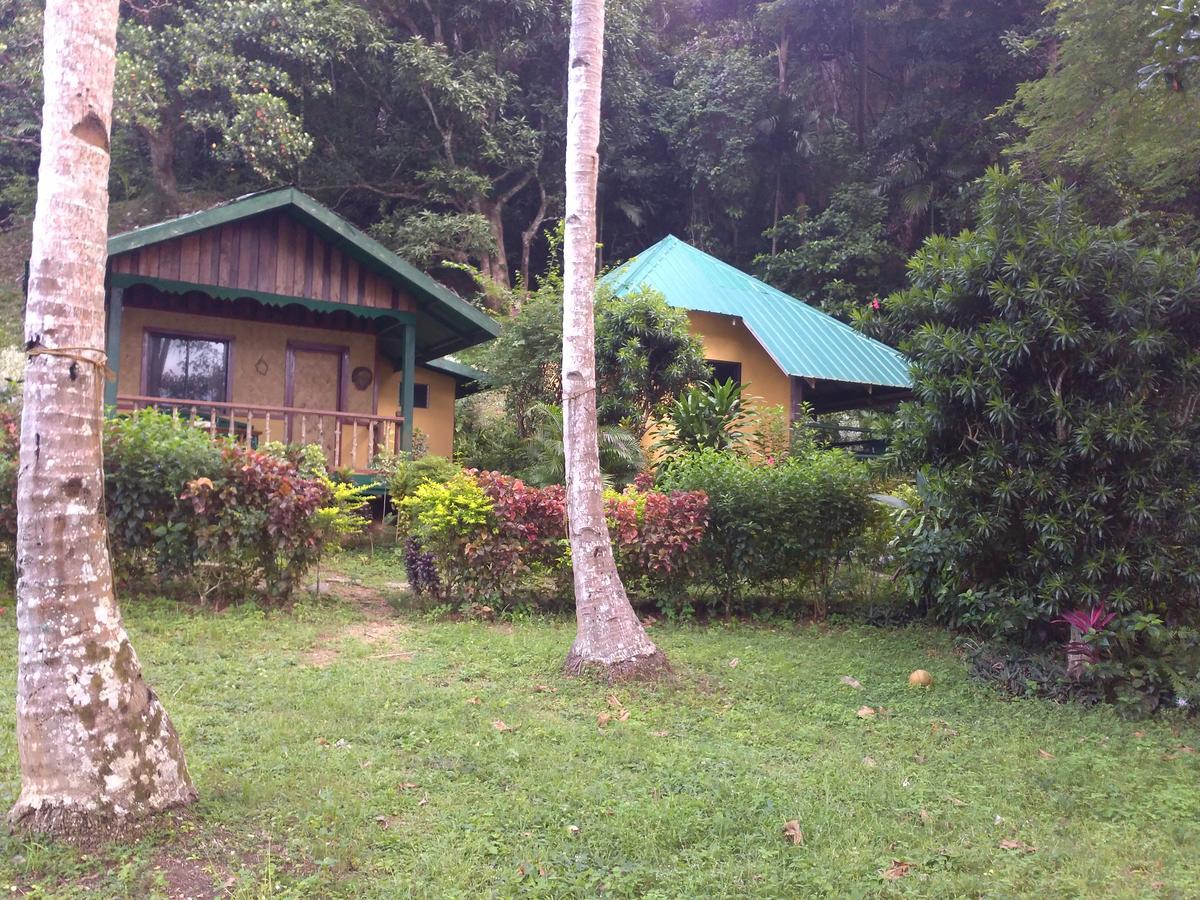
[610, 638]
[96, 747]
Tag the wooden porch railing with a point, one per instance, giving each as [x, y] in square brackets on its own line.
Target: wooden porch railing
[348, 438]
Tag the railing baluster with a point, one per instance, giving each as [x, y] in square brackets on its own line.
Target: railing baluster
[371, 439]
[337, 442]
[212, 421]
[303, 428]
[354, 443]
[267, 429]
[232, 420]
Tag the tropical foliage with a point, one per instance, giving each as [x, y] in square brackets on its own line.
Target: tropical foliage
[1057, 365]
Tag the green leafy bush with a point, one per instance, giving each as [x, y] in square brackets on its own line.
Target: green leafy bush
[792, 520]
[1057, 366]
[149, 459]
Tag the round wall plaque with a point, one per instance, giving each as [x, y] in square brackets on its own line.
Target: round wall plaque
[362, 377]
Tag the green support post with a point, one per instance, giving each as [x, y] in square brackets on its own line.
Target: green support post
[407, 387]
[112, 347]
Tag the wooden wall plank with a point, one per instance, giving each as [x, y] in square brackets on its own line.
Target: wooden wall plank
[248, 256]
[268, 232]
[189, 258]
[235, 254]
[225, 244]
[309, 262]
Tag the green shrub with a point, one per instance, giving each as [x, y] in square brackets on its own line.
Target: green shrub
[707, 416]
[1057, 366]
[409, 473]
[792, 520]
[149, 459]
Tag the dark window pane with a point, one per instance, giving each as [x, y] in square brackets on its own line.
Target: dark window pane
[420, 396]
[725, 371]
[186, 368]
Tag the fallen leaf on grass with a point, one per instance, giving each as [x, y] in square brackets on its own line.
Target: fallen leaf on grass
[614, 701]
[660, 733]
[956, 801]
[865, 712]
[408, 785]
[474, 701]
[603, 719]
[852, 682]
[623, 716]
[573, 829]
[925, 815]
[869, 762]
[649, 620]
[321, 741]
[733, 663]
[1184, 748]
[898, 869]
[424, 801]
[1045, 754]
[1139, 734]
[791, 831]
[385, 822]
[545, 689]
[1012, 844]
[500, 725]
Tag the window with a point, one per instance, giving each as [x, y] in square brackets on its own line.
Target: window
[420, 396]
[186, 367]
[725, 371]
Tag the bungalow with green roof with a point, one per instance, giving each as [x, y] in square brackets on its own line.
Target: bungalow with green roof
[786, 352]
[272, 319]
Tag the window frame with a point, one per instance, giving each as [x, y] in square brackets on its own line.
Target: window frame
[417, 386]
[151, 331]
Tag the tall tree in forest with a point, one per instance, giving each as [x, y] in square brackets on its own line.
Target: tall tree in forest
[96, 747]
[610, 637]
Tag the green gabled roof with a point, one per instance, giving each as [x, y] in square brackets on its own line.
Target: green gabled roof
[451, 322]
[803, 341]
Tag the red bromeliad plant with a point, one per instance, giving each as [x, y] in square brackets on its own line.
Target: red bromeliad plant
[1084, 622]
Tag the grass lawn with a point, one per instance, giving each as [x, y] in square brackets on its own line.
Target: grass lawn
[342, 750]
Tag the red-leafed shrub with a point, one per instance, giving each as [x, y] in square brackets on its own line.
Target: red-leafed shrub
[655, 537]
[257, 523]
[493, 537]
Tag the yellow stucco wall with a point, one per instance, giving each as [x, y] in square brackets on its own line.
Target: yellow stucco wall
[728, 339]
[437, 421]
[257, 343]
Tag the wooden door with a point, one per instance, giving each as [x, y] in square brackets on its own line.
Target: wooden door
[316, 380]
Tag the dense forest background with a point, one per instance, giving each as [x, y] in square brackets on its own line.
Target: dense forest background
[813, 142]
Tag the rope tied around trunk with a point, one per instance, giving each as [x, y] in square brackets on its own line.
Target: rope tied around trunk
[89, 355]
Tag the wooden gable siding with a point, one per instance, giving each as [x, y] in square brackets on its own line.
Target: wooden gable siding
[270, 253]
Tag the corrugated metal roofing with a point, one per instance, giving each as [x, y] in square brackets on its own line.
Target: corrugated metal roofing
[803, 341]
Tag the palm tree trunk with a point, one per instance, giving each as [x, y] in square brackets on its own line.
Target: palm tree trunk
[609, 637]
[97, 750]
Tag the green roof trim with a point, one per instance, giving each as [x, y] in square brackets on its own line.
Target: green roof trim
[121, 280]
[804, 342]
[470, 325]
[468, 379]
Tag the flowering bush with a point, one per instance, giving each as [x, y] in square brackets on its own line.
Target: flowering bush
[489, 535]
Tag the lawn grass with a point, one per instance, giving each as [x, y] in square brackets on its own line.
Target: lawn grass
[341, 757]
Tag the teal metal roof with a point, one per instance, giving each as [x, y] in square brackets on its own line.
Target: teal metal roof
[803, 341]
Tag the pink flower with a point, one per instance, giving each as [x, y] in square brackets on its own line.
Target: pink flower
[875, 304]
